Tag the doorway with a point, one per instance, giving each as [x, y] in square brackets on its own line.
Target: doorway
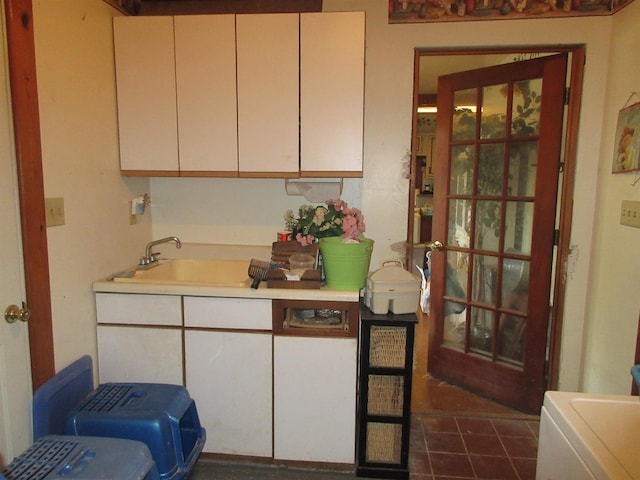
[26, 129]
[428, 66]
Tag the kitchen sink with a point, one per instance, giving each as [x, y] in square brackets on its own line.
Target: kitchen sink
[201, 272]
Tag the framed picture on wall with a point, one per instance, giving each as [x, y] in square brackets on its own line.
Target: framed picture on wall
[627, 142]
[414, 11]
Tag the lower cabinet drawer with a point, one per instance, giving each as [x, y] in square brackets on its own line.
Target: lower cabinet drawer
[139, 309]
[233, 313]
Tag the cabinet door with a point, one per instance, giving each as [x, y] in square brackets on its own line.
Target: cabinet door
[145, 78]
[229, 376]
[315, 399]
[140, 354]
[268, 86]
[139, 338]
[205, 49]
[331, 92]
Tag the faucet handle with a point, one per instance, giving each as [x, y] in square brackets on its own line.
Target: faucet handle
[149, 260]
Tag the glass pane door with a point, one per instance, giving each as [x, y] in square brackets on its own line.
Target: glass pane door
[496, 204]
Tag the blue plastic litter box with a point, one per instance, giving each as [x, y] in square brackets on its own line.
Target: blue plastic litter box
[162, 416]
[55, 399]
[83, 458]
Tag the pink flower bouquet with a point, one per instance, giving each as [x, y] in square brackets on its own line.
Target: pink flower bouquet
[336, 219]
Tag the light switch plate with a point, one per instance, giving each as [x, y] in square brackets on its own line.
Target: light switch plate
[54, 211]
[630, 213]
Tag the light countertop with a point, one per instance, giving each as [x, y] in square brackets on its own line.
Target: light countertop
[324, 294]
[224, 252]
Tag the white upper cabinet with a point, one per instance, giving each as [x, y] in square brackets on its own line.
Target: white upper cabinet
[145, 76]
[206, 91]
[331, 92]
[252, 95]
[268, 93]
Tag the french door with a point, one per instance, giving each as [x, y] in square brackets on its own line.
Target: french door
[498, 147]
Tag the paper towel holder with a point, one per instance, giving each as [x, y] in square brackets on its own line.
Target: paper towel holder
[316, 191]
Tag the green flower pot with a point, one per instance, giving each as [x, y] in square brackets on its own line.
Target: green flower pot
[346, 265]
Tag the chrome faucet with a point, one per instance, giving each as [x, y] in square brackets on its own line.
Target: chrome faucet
[150, 257]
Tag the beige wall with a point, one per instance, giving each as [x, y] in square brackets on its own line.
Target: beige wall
[75, 68]
[76, 91]
[614, 291]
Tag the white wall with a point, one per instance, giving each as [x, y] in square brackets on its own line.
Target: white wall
[80, 155]
[614, 293]
[76, 91]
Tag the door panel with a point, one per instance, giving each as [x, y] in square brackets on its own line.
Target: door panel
[499, 132]
[15, 373]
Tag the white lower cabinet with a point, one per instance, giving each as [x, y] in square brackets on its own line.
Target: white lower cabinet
[315, 398]
[286, 397]
[228, 374]
[228, 350]
[140, 354]
[139, 338]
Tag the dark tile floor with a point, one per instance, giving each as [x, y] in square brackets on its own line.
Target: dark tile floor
[457, 435]
[472, 447]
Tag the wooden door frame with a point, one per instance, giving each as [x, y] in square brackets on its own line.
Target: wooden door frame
[26, 126]
[565, 195]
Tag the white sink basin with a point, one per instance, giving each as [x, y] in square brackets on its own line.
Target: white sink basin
[205, 272]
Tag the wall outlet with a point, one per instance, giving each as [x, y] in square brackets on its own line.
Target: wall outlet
[630, 213]
[54, 211]
[133, 218]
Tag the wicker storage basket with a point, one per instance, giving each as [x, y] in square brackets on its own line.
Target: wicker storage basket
[388, 347]
[386, 395]
[384, 442]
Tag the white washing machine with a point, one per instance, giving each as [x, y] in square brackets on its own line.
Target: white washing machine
[588, 436]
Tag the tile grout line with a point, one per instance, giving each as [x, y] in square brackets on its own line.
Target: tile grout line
[428, 450]
[464, 444]
[536, 433]
[507, 451]
[426, 447]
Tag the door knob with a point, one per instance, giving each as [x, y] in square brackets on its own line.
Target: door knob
[13, 313]
[435, 246]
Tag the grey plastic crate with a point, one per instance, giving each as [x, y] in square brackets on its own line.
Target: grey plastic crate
[83, 458]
